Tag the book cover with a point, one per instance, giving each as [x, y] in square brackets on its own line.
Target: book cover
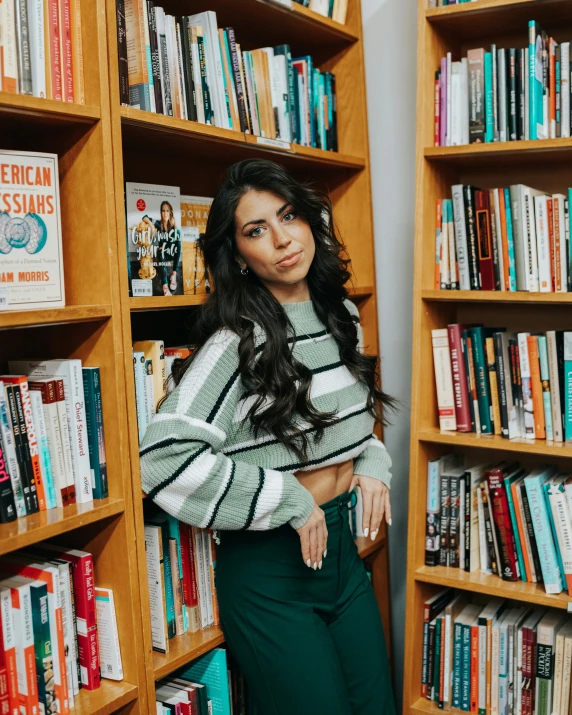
[9, 640]
[154, 351]
[10, 456]
[7, 504]
[31, 261]
[153, 239]
[108, 635]
[156, 581]
[194, 216]
[95, 436]
[444, 379]
[500, 510]
[210, 669]
[462, 409]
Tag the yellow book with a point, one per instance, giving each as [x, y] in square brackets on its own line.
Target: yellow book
[491, 364]
[154, 350]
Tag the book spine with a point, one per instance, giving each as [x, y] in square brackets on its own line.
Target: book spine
[513, 134]
[529, 406]
[37, 47]
[536, 384]
[69, 497]
[477, 125]
[122, 52]
[444, 521]
[493, 385]
[42, 646]
[23, 38]
[433, 515]
[502, 522]
[454, 523]
[46, 390]
[177, 588]
[54, 50]
[544, 540]
[462, 410]
[469, 201]
[444, 380]
[43, 448]
[482, 381]
[94, 423]
[466, 668]
[457, 663]
[66, 51]
[7, 438]
[526, 567]
[474, 690]
[155, 61]
[9, 650]
[554, 386]
[7, 504]
[489, 96]
[563, 523]
[22, 448]
[483, 229]
[518, 547]
[545, 383]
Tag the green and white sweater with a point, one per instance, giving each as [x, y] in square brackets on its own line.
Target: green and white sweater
[201, 463]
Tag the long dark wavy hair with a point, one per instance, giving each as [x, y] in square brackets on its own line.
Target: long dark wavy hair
[238, 302]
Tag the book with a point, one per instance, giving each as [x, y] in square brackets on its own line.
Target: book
[31, 259]
[154, 352]
[194, 216]
[108, 635]
[210, 669]
[444, 379]
[156, 579]
[95, 435]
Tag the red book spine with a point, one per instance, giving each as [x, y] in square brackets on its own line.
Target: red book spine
[474, 669]
[525, 692]
[66, 50]
[185, 562]
[532, 661]
[503, 526]
[462, 409]
[55, 68]
[194, 591]
[484, 240]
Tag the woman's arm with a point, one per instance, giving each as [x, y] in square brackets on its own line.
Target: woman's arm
[184, 470]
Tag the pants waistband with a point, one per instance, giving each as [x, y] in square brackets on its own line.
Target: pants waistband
[339, 504]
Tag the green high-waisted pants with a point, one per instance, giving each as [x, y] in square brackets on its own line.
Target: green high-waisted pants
[307, 642]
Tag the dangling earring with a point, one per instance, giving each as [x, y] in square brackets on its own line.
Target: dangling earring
[244, 271]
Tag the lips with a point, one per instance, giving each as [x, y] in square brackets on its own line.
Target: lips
[290, 260]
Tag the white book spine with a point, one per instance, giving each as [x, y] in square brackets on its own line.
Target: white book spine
[155, 583]
[567, 668]
[530, 242]
[498, 224]
[200, 571]
[543, 244]
[108, 635]
[464, 101]
[52, 422]
[10, 454]
[453, 272]
[139, 374]
[526, 95]
[554, 386]
[182, 88]
[444, 379]
[447, 660]
[526, 385]
[565, 89]
[66, 443]
[501, 55]
[9, 47]
[456, 101]
[43, 448]
[482, 668]
[37, 47]
[448, 137]
[563, 523]
[281, 73]
[147, 58]
[558, 672]
[559, 221]
[483, 551]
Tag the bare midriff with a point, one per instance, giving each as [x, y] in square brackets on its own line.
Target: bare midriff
[325, 483]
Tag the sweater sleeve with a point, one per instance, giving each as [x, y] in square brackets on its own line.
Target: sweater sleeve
[374, 461]
[184, 469]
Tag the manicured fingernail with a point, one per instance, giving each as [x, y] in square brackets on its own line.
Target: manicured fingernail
[320, 565]
[308, 563]
[366, 531]
[325, 553]
[389, 522]
[373, 535]
[315, 565]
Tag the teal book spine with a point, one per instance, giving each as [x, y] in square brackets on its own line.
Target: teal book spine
[457, 663]
[482, 379]
[502, 670]
[163, 524]
[545, 491]
[95, 439]
[510, 242]
[535, 72]
[568, 386]
[42, 644]
[551, 574]
[437, 661]
[489, 106]
[546, 387]
[466, 669]
[211, 669]
[514, 524]
[175, 533]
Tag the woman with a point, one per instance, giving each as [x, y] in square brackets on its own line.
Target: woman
[169, 246]
[263, 439]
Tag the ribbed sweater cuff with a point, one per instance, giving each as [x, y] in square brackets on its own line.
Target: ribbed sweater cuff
[302, 503]
[374, 462]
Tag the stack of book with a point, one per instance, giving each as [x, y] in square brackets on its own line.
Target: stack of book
[211, 684]
[52, 449]
[180, 571]
[500, 519]
[41, 49]
[496, 657]
[53, 632]
[502, 95]
[335, 9]
[186, 67]
[490, 381]
[507, 239]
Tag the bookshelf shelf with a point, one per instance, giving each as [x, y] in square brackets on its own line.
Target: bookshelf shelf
[510, 153]
[491, 585]
[427, 706]
[46, 524]
[185, 648]
[552, 450]
[49, 111]
[109, 698]
[69, 314]
[486, 296]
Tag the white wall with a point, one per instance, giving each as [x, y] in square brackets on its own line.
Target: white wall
[390, 61]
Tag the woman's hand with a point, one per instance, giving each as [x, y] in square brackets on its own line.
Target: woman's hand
[314, 538]
[376, 503]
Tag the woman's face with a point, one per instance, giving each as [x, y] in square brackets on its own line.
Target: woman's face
[276, 244]
[165, 214]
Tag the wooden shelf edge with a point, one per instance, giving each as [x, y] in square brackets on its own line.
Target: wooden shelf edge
[469, 439]
[315, 18]
[183, 649]
[492, 296]
[422, 705]
[51, 522]
[491, 585]
[69, 314]
[366, 546]
[468, 9]
[107, 699]
[24, 104]
[497, 149]
[159, 302]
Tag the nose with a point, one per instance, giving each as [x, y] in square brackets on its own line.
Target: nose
[281, 237]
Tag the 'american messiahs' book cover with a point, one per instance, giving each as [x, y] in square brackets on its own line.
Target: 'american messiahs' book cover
[154, 239]
[31, 263]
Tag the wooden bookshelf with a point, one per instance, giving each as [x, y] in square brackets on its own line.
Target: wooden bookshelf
[152, 148]
[89, 327]
[536, 163]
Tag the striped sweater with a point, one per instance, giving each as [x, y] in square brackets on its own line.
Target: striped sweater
[201, 463]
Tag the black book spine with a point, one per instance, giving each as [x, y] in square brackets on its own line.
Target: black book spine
[474, 272]
[530, 529]
[512, 95]
[517, 381]
[454, 521]
[521, 57]
[166, 74]
[183, 23]
[155, 61]
[122, 53]
[209, 116]
[26, 446]
[7, 504]
[500, 368]
[335, 113]
[23, 41]
[25, 467]
[240, 91]
[561, 376]
[489, 530]
[467, 517]
[430, 659]
[444, 521]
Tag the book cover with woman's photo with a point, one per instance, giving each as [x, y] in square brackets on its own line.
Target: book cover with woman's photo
[154, 239]
[194, 215]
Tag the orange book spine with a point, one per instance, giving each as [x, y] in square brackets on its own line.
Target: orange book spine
[474, 669]
[554, 226]
[504, 238]
[53, 49]
[438, 239]
[66, 51]
[536, 386]
[520, 526]
[212, 567]
[552, 243]
[9, 648]
[47, 53]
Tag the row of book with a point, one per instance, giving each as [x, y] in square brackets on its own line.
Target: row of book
[58, 630]
[187, 67]
[163, 228]
[507, 239]
[334, 9]
[500, 519]
[490, 381]
[443, 3]
[52, 447]
[211, 685]
[504, 94]
[496, 657]
[180, 570]
[41, 49]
